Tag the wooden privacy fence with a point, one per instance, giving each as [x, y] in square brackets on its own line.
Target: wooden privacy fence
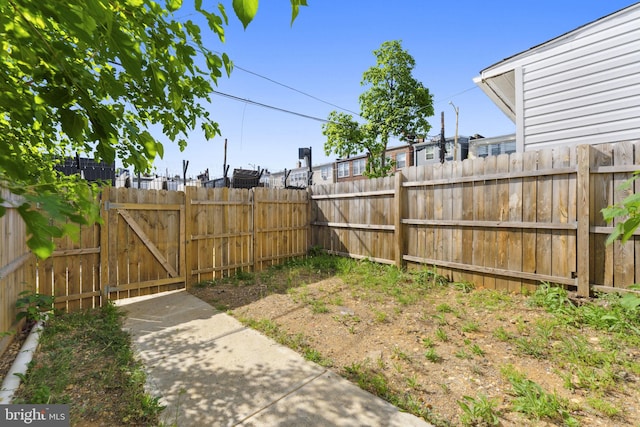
[17, 265]
[154, 240]
[506, 222]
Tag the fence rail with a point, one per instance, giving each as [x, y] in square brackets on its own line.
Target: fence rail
[506, 222]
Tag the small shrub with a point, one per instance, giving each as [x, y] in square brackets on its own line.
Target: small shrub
[33, 306]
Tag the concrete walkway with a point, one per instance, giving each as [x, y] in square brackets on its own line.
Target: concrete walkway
[212, 371]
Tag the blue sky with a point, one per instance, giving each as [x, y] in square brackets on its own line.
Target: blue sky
[331, 44]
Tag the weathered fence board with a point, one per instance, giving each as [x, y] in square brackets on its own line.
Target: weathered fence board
[506, 222]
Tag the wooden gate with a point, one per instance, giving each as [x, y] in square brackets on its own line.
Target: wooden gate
[142, 241]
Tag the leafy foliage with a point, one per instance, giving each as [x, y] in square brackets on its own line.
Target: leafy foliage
[395, 104]
[93, 78]
[34, 306]
[628, 210]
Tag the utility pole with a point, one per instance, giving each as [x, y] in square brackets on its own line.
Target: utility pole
[185, 166]
[225, 169]
[455, 140]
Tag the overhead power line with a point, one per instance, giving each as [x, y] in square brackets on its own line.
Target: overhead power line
[448, 98]
[260, 104]
[296, 90]
[291, 88]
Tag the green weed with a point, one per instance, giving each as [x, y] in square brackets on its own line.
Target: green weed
[479, 411]
[432, 356]
[471, 326]
[441, 334]
[502, 334]
[531, 400]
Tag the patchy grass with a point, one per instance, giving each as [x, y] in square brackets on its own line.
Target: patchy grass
[86, 360]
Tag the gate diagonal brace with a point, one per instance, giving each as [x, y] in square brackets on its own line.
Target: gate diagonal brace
[152, 247]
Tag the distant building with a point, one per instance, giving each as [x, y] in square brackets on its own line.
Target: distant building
[299, 177]
[494, 146]
[428, 152]
[153, 181]
[353, 168]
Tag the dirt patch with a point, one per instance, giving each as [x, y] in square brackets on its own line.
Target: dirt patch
[443, 343]
[9, 356]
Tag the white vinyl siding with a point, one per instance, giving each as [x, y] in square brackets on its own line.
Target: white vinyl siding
[586, 90]
[582, 87]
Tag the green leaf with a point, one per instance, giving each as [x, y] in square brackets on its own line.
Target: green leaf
[295, 5]
[245, 10]
[228, 65]
[73, 124]
[174, 5]
[630, 302]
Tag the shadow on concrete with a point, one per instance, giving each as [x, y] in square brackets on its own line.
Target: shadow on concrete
[211, 371]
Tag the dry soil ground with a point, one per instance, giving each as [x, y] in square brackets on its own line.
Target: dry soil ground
[430, 345]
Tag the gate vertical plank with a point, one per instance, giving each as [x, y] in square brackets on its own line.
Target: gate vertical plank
[147, 264]
[457, 242]
[478, 215]
[515, 246]
[502, 214]
[623, 253]
[73, 274]
[584, 247]
[601, 195]
[162, 229]
[560, 214]
[545, 200]
[411, 232]
[250, 229]
[529, 209]
[399, 214]
[468, 202]
[60, 273]
[258, 221]
[207, 230]
[572, 216]
[438, 215]
[187, 222]
[491, 213]
[217, 220]
[104, 244]
[447, 214]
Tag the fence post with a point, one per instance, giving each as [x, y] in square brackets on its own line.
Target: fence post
[582, 240]
[399, 232]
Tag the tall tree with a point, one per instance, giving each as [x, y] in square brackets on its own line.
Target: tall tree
[394, 105]
[92, 77]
